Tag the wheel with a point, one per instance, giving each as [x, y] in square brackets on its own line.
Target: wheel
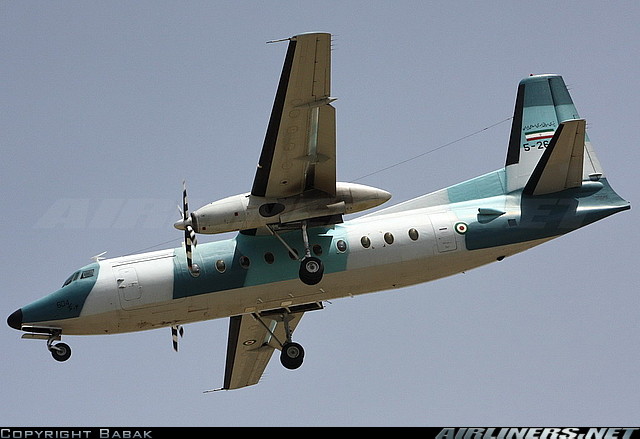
[60, 351]
[292, 355]
[311, 270]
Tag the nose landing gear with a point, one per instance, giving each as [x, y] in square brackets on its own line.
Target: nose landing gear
[59, 351]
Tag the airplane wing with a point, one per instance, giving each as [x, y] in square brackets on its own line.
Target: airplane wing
[251, 345]
[299, 150]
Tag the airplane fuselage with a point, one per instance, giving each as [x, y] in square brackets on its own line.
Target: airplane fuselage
[396, 247]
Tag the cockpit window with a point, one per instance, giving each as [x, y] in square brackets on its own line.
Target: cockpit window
[82, 275]
[71, 278]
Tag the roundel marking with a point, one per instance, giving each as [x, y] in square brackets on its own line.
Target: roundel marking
[249, 342]
[461, 228]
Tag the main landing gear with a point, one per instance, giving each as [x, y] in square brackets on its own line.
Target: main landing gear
[311, 268]
[59, 351]
[291, 353]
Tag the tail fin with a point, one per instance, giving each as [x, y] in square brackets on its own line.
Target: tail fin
[543, 103]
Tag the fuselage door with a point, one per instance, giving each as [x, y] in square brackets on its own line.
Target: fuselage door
[443, 229]
[129, 288]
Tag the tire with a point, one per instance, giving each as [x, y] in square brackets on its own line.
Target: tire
[311, 270]
[61, 352]
[292, 355]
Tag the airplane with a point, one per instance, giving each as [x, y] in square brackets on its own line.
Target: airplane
[294, 251]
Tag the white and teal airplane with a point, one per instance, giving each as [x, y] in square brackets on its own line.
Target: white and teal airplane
[294, 252]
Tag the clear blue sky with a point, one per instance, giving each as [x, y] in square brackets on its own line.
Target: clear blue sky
[108, 106]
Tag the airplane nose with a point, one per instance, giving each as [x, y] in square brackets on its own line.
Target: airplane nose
[15, 320]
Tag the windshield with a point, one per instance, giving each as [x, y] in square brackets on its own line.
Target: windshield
[82, 274]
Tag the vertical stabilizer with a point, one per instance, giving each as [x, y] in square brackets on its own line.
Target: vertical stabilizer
[542, 104]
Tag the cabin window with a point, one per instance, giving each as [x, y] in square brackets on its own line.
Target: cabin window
[221, 266]
[244, 262]
[341, 245]
[388, 238]
[365, 241]
[317, 249]
[413, 234]
[269, 258]
[87, 273]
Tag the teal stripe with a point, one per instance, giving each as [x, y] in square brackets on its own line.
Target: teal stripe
[545, 216]
[66, 303]
[254, 250]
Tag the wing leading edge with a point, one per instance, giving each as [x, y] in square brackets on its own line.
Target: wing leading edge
[299, 150]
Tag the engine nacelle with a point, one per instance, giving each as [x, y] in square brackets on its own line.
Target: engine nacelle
[245, 211]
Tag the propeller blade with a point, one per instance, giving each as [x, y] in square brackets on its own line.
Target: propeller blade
[190, 240]
[185, 204]
[174, 336]
[175, 330]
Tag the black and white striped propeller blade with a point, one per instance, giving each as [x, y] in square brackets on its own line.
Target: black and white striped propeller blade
[190, 240]
[175, 330]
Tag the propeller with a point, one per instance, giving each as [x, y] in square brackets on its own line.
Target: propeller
[186, 224]
[175, 330]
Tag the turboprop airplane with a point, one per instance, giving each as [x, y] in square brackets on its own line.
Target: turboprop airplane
[294, 251]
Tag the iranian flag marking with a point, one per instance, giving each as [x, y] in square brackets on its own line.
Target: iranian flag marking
[538, 135]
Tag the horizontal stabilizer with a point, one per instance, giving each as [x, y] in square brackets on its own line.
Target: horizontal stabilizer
[560, 166]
